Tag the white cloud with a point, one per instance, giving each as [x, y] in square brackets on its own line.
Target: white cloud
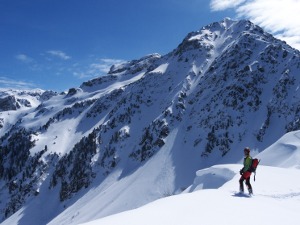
[15, 84]
[279, 17]
[24, 58]
[59, 54]
[218, 5]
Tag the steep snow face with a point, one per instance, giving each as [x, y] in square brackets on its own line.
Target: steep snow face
[226, 86]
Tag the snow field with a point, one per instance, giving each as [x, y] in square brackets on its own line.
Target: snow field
[276, 199]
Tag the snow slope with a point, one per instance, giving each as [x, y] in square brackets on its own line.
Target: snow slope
[276, 200]
[284, 152]
[212, 198]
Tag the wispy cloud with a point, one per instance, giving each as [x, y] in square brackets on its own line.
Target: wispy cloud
[60, 54]
[279, 17]
[218, 5]
[24, 58]
[15, 84]
[99, 68]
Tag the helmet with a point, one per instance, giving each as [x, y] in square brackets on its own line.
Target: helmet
[247, 149]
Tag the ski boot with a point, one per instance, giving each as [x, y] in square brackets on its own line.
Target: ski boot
[250, 191]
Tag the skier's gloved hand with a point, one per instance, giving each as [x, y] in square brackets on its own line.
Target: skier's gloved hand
[241, 172]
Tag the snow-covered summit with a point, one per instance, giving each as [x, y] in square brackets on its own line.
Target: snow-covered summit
[17, 99]
[224, 34]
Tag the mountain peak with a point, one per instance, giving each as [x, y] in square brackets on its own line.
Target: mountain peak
[219, 35]
[226, 86]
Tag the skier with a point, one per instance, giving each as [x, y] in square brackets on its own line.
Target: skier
[245, 172]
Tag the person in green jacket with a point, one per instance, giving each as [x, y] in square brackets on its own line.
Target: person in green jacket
[245, 172]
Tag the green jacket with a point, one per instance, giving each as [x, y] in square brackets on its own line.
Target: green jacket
[247, 163]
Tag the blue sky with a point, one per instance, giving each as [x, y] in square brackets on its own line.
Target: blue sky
[58, 44]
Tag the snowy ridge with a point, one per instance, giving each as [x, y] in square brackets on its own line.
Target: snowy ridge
[284, 152]
[152, 123]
